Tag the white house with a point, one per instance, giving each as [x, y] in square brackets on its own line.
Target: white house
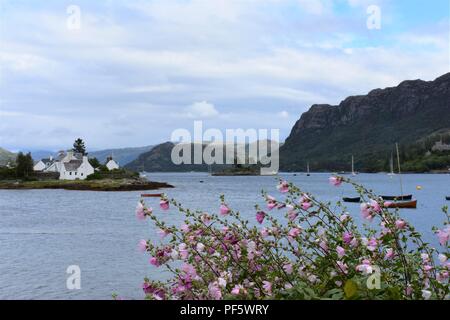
[71, 166]
[43, 164]
[111, 164]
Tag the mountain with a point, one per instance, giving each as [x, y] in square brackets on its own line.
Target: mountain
[6, 156]
[122, 156]
[159, 160]
[368, 126]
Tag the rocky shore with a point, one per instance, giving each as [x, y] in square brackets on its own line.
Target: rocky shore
[88, 185]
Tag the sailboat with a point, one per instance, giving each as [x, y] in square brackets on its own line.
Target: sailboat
[307, 169]
[391, 174]
[399, 201]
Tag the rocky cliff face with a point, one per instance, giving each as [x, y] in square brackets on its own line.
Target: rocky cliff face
[367, 126]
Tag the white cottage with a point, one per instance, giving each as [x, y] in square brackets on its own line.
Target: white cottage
[43, 164]
[111, 164]
[71, 166]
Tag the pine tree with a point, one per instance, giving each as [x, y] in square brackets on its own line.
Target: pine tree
[79, 147]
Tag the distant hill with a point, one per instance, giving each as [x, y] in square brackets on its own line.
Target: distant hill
[123, 156]
[368, 126]
[159, 160]
[6, 156]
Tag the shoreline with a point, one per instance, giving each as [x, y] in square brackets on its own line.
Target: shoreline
[86, 185]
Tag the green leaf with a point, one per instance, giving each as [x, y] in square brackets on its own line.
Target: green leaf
[350, 289]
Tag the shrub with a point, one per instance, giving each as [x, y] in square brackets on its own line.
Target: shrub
[297, 248]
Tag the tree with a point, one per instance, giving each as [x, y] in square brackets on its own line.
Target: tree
[24, 165]
[78, 146]
[94, 162]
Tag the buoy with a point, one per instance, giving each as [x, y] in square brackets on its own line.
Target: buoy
[419, 187]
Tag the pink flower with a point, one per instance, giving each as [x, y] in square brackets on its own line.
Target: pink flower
[140, 212]
[442, 258]
[371, 244]
[344, 217]
[292, 215]
[288, 268]
[375, 205]
[260, 215]
[335, 181]
[142, 245]
[294, 233]
[184, 228]
[340, 251]
[365, 267]
[214, 291]
[267, 286]
[237, 290]
[400, 224]
[206, 219]
[366, 212]
[271, 202]
[324, 246]
[264, 232]
[389, 254]
[342, 266]
[182, 249]
[443, 236]
[224, 210]
[387, 204]
[164, 204]
[306, 205]
[283, 187]
[154, 262]
[347, 237]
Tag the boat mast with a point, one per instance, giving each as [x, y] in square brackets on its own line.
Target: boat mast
[353, 166]
[399, 170]
[307, 167]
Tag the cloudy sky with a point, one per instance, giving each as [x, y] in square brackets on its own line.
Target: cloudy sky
[136, 70]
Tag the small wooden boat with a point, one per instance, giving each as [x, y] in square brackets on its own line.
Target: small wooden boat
[447, 198]
[151, 195]
[398, 198]
[355, 199]
[404, 204]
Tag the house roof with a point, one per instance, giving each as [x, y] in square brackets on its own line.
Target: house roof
[72, 165]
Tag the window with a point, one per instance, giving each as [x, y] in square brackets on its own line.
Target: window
[70, 173]
[82, 174]
[75, 173]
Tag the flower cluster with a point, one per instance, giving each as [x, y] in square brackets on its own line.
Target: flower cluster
[296, 248]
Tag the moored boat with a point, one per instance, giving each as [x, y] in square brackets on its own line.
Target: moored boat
[404, 204]
[398, 198]
[355, 199]
[447, 198]
[151, 195]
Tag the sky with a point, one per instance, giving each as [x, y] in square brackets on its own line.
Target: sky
[128, 73]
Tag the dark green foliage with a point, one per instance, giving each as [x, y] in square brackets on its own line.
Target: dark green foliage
[78, 146]
[24, 165]
[94, 162]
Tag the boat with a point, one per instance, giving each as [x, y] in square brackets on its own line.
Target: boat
[447, 198]
[401, 197]
[151, 195]
[404, 204]
[355, 199]
[398, 198]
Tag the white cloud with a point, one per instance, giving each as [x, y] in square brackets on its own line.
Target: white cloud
[201, 110]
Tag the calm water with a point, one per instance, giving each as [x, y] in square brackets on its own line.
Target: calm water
[42, 232]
